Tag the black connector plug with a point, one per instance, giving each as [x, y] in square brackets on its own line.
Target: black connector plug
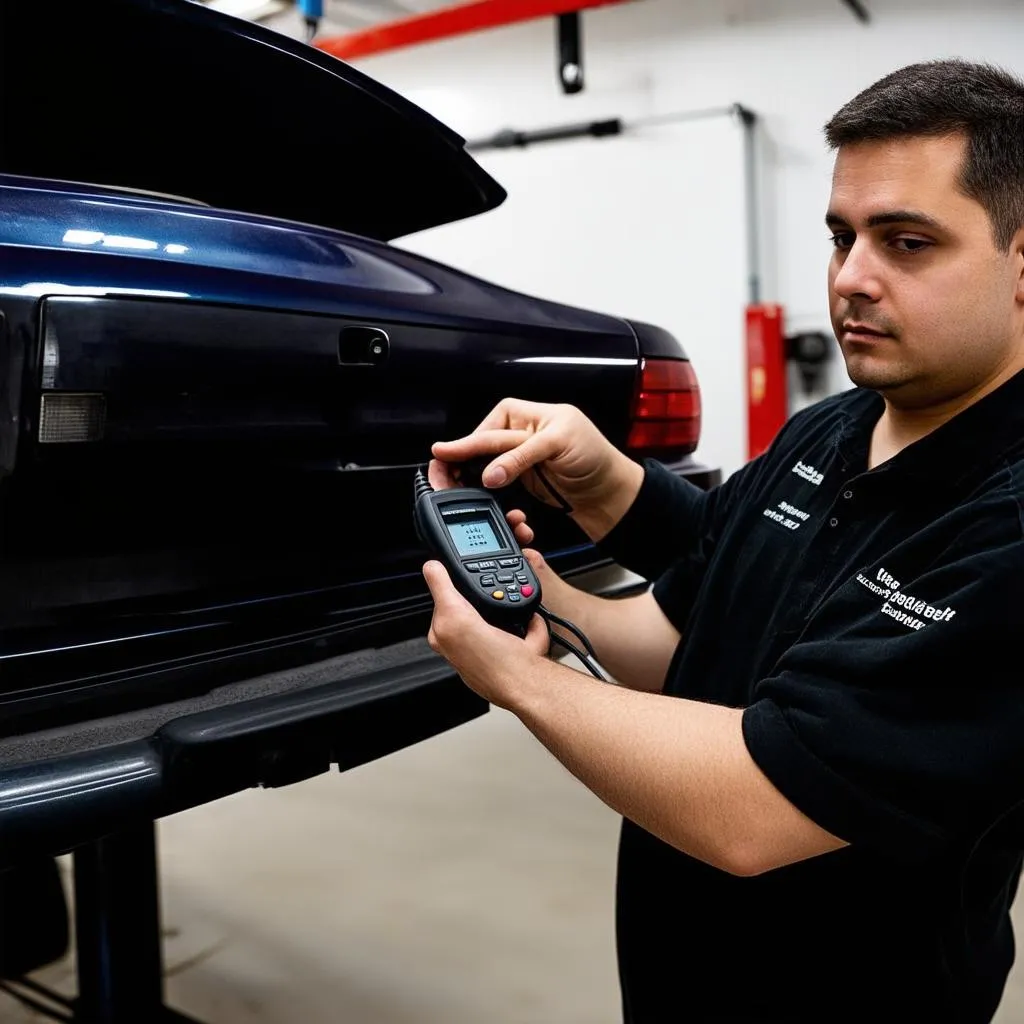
[421, 485]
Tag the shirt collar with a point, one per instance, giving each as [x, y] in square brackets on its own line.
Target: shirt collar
[965, 446]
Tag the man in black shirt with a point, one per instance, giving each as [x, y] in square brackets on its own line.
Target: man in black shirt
[817, 740]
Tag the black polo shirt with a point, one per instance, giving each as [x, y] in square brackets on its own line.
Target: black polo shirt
[871, 624]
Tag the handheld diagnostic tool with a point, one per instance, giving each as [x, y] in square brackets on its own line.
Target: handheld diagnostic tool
[465, 528]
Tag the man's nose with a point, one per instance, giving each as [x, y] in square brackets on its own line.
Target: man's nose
[859, 274]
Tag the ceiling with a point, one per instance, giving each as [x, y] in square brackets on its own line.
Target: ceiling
[360, 13]
[353, 14]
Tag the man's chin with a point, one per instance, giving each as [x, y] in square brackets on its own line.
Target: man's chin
[901, 390]
[876, 380]
[866, 374]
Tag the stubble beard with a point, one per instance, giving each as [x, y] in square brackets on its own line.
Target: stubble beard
[877, 378]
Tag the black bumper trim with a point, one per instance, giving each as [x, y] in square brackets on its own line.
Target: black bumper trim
[52, 806]
[47, 806]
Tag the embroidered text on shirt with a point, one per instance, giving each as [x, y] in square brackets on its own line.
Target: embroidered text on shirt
[808, 473]
[904, 608]
[790, 516]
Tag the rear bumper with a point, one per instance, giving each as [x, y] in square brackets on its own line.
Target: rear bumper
[65, 787]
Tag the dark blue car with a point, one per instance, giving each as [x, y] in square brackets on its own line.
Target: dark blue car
[216, 381]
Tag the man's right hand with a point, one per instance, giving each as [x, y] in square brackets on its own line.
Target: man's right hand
[597, 480]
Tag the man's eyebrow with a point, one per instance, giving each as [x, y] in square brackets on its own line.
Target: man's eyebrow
[833, 220]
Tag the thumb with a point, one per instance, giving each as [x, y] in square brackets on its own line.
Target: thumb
[442, 590]
[537, 638]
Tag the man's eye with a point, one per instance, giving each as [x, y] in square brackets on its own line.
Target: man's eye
[842, 239]
[910, 245]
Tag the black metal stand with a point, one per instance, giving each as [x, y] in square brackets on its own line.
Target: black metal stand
[117, 930]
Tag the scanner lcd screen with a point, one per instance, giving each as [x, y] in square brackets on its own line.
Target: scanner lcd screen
[474, 536]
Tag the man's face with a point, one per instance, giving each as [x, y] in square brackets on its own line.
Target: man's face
[924, 306]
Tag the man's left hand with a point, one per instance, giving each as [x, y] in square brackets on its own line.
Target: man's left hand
[490, 661]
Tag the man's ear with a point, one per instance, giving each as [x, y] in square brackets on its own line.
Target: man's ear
[1017, 253]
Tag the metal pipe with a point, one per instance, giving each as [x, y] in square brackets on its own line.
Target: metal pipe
[749, 121]
[859, 10]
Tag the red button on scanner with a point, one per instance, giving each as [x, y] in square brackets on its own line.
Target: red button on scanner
[526, 591]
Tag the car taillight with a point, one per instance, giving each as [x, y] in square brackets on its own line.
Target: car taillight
[666, 409]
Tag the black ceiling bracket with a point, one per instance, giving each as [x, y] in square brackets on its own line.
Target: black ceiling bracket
[858, 8]
[570, 52]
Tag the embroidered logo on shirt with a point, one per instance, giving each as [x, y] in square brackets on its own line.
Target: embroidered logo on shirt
[808, 473]
[790, 516]
[904, 608]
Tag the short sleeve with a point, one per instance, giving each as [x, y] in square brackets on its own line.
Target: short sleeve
[896, 720]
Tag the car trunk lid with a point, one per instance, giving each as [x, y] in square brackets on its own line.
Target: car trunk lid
[173, 97]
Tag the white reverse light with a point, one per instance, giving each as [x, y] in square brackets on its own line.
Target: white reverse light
[66, 418]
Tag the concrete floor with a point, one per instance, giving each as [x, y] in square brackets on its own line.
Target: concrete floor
[464, 880]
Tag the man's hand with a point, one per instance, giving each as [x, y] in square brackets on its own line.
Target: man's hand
[597, 480]
[490, 661]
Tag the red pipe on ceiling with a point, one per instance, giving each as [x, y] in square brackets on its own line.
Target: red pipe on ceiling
[448, 21]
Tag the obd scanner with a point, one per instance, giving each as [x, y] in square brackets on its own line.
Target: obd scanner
[466, 530]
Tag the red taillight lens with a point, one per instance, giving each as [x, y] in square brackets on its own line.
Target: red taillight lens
[666, 409]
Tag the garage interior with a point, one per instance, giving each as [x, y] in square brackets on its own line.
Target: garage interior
[469, 877]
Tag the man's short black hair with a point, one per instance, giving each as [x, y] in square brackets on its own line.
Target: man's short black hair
[982, 102]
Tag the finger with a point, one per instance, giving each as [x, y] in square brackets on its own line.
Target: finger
[521, 530]
[441, 475]
[515, 461]
[538, 564]
[479, 443]
[523, 534]
[537, 637]
[513, 413]
[535, 558]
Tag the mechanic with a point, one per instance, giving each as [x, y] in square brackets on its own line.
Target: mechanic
[817, 736]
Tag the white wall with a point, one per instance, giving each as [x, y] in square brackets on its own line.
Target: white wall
[793, 62]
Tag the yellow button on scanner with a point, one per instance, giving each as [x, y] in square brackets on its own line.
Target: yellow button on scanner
[498, 595]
